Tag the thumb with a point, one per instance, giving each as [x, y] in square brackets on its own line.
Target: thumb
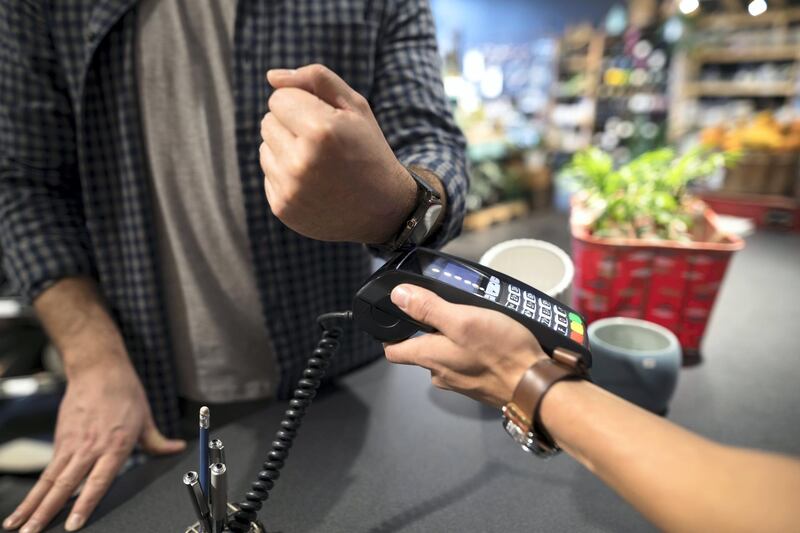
[154, 443]
[424, 306]
[317, 79]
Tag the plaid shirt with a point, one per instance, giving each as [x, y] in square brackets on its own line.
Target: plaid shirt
[74, 195]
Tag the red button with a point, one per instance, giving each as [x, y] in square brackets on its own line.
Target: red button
[577, 337]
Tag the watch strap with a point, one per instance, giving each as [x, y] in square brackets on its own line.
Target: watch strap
[427, 196]
[537, 380]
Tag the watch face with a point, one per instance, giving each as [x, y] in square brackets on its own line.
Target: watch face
[426, 223]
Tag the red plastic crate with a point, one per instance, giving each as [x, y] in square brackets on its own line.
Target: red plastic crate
[670, 283]
[767, 211]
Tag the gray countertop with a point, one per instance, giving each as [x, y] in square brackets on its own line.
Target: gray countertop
[384, 451]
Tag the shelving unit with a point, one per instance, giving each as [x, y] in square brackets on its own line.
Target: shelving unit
[573, 98]
[747, 55]
[736, 56]
[738, 66]
[632, 100]
[751, 89]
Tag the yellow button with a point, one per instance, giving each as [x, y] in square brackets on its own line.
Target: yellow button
[577, 328]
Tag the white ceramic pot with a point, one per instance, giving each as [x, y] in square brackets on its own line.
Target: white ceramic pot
[540, 264]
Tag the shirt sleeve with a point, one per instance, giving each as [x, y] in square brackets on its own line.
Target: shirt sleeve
[42, 228]
[409, 103]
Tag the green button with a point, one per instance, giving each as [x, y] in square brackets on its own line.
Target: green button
[575, 318]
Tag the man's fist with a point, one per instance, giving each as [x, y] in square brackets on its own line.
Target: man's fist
[329, 172]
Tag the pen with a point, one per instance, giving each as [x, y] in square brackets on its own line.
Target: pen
[216, 451]
[205, 416]
[219, 496]
[198, 500]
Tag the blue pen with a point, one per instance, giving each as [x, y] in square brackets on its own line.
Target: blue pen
[205, 416]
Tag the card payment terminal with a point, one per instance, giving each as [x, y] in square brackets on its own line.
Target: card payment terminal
[464, 282]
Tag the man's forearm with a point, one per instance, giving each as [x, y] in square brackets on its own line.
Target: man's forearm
[75, 318]
[661, 469]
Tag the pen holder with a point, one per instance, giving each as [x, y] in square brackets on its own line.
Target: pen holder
[255, 527]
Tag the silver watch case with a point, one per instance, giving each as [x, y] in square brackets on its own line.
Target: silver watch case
[527, 441]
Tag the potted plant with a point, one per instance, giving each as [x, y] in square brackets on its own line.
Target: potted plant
[643, 246]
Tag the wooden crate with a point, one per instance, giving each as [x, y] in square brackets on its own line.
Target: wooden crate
[495, 214]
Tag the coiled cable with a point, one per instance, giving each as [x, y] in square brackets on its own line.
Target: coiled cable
[302, 396]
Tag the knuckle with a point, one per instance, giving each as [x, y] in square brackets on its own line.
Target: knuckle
[64, 484]
[96, 482]
[438, 382]
[425, 309]
[360, 101]
[265, 125]
[120, 442]
[278, 206]
[276, 99]
[318, 70]
[42, 516]
[391, 353]
[321, 132]
[48, 477]
[263, 157]
[297, 166]
[88, 448]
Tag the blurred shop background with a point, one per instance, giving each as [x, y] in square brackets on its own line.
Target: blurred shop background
[650, 141]
[533, 82]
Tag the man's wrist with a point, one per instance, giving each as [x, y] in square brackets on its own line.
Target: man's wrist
[79, 325]
[100, 351]
[410, 205]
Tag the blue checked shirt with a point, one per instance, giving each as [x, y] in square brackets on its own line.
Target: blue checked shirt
[74, 195]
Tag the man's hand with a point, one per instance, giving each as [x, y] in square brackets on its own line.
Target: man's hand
[477, 352]
[329, 172]
[104, 413]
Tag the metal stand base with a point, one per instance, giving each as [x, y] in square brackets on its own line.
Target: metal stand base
[255, 527]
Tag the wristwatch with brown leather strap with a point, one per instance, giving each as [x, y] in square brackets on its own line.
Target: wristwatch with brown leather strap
[521, 415]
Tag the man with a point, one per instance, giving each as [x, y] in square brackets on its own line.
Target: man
[132, 207]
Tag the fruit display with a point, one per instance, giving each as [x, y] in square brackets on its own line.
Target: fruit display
[770, 148]
[763, 133]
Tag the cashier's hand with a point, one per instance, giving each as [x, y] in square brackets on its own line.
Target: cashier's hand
[477, 352]
[329, 172]
[103, 414]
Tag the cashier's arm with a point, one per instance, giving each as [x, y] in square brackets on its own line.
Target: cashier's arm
[675, 478]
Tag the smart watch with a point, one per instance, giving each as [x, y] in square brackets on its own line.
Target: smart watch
[521, 415]
[423, 220]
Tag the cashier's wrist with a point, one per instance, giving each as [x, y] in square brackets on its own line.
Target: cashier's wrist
[518, 365]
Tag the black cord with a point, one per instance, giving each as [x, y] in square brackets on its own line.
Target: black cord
[301, 398]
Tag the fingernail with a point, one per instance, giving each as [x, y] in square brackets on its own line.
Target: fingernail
[282, 71]
[31, 527]
[11, 521]
[74, 522]
[400, 296]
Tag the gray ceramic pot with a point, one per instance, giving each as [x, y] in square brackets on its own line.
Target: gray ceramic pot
[635, 359]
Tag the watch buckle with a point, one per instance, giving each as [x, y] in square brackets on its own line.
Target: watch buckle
[570, 359]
